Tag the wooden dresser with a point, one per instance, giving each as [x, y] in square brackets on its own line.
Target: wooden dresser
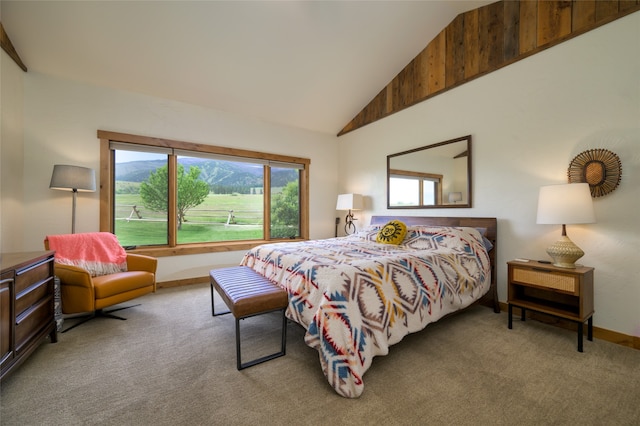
[26, 306]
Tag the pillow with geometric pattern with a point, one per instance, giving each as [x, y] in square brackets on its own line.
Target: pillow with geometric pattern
[393, 232]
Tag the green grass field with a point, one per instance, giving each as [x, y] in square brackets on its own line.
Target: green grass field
[205, 223]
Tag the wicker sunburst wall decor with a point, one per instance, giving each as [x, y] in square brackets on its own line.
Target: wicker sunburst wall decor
[600, 168]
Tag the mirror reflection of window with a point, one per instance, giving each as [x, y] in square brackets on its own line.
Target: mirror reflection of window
[406, 192]
[429, 190]
[424, 177]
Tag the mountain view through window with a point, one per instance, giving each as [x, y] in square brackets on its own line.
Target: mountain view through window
[217, 200]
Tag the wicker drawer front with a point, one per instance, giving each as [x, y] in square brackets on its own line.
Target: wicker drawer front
[545, 279]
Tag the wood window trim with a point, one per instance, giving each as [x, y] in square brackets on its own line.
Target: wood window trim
[107, 170]
[421, 175]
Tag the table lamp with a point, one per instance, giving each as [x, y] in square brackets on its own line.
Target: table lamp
[454, 197]
[349, 202]
[565, 204]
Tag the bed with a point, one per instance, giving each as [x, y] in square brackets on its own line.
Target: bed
[356, 297]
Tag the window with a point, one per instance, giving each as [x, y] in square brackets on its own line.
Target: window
[169, 197]
[285, 202]
[132, 223]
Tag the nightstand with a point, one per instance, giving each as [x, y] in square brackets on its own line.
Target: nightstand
[561, 292]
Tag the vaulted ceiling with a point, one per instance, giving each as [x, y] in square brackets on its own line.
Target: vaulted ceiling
[486, 39]
[306, 64]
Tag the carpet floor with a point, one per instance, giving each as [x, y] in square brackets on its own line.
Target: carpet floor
[172, 363]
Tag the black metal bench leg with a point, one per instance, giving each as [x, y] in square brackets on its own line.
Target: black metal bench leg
[238, 352]
[283, 348]
[213, 309]
[284, 333]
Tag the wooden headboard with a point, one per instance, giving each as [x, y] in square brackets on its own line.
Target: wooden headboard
[491, 225]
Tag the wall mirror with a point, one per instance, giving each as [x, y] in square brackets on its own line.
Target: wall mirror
[432, 176]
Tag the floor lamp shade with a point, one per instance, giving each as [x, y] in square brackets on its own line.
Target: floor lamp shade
[75, 179]
[565, 204]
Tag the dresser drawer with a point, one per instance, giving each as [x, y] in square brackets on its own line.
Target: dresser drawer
[33, 295]
[547, 279]
[32, 321]
[33, 274]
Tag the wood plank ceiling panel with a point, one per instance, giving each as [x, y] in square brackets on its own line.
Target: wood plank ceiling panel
[454, 55]
[7, 46]
[483, 40]
[511, 30]
[528, 26]
[554, 21]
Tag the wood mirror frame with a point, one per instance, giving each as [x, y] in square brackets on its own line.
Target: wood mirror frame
[432, 176]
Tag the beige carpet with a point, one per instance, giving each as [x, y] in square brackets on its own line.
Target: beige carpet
[172, 363]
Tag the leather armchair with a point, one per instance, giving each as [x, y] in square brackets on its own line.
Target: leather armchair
[80, 292]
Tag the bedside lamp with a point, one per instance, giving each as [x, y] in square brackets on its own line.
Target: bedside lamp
[454, 197]
[74, 179]
[349, 202]
[565, 205]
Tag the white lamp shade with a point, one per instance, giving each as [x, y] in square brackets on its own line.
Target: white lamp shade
[70, 178]
[565, 204]
[455, 196]
[349, 202]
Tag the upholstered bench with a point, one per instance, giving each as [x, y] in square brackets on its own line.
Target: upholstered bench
[247, 293]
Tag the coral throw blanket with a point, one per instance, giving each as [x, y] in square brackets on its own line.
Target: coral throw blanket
[100, 253]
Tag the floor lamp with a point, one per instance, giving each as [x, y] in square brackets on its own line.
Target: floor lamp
[74, 179]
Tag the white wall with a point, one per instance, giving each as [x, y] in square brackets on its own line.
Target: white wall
[11, 154]
[528, 121]
[61, 120]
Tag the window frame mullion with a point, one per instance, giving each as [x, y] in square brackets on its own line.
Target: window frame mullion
[266, 200]
[172, 196]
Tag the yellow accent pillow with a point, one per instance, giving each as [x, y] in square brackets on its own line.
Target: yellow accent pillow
[392, 233]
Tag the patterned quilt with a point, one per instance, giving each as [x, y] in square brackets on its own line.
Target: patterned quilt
[356, 297]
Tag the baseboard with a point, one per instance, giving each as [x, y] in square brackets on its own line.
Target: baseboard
[181, 283]
[598, 333]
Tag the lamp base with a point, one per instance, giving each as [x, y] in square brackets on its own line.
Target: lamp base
[564, 253]
[349, 226]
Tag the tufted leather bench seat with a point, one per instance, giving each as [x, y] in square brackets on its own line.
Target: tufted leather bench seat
[247, 293]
